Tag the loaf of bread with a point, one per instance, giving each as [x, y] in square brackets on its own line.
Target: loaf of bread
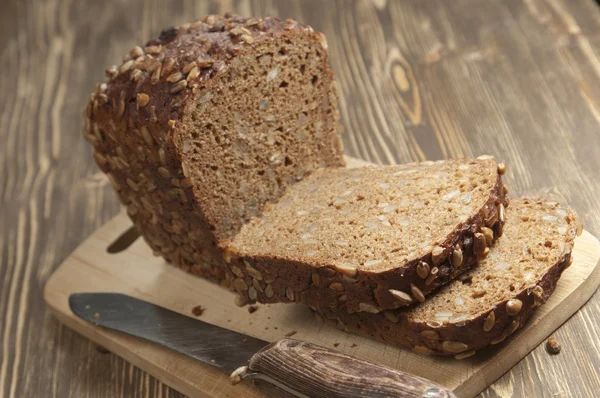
[490, 302]
[370, 238]
[199, 128]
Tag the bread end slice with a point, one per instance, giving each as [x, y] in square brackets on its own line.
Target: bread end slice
[490, 302]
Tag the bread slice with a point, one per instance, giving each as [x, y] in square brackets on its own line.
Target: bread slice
[201, 127]
[491, 301]
[370, 238]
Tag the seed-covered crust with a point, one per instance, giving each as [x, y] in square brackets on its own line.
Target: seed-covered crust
[490, 302]
[372, 238]
[158, 116]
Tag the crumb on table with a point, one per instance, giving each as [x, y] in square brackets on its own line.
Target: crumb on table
[197, 310]
[290, 334]
[252, 309]
[553, 346]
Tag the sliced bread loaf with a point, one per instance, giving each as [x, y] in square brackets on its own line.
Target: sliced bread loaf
[370, 238]
[491, 301]
[202, 126]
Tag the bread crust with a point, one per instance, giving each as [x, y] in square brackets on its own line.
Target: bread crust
[134, 121]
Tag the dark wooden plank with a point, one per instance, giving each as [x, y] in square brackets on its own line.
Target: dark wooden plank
[418, 79]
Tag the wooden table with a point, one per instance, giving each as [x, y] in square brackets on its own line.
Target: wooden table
[419, 79]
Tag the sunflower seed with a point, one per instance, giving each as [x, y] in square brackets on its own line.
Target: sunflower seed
[402, 297]
[142, 99]
[289, 293]
[371, 263]
[269, 291]
[240, 300]
[479, 244]
[365, 307]
[422, 350]
[252, 293]
[347, 269]
[501, 168]
[514, 306]
[257, 285]
[389, 208]
[451, 195]
[489, 235]
[489, 322]
[454, 346]
[194, 73]
[430, 334]
[464, 355]
[177, 87]
[437, 255]
[273, 73]
[423, 269]
[390, 316]
[417, 293]
[253, 272]
[538, 295]
[497, 340]
[132, 185]
[457, 257]
[514, 325]
[125, 67]
[237, 271]
[316, 279]
[240, 285]
[337, 286]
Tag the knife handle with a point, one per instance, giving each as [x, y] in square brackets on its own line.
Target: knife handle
[308, 370]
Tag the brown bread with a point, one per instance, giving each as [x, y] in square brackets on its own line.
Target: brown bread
[491, 301]
[370, 238]
[201, 127]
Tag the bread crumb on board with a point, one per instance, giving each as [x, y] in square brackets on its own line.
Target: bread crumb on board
[290, 334]
[252, 309]
[553, 346]
[197, 310]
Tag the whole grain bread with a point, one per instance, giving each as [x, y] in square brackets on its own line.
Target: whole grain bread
[370, 238]
[490, 302]
[201, 127]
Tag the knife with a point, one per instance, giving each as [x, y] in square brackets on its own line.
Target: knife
[287, 366]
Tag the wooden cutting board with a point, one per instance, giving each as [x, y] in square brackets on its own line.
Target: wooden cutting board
[135, 271]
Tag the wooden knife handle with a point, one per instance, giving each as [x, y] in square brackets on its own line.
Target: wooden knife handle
[307, 370]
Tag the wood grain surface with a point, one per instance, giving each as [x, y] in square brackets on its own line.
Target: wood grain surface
[419, 79]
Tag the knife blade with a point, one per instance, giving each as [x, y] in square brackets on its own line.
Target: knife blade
[213, 345]
[299, 368]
